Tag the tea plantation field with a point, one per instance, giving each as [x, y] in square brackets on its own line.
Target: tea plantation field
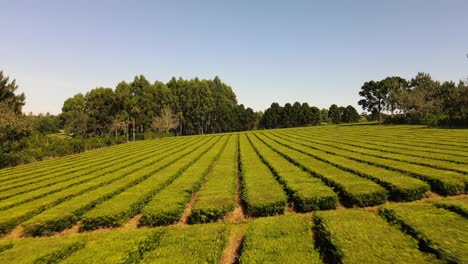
[330, 194]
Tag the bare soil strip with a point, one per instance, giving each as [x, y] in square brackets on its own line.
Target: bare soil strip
[132, 223]
[289, 209]
[72, 230]
[16, 233]
[232, 249]
[238, 214]
[188, 208]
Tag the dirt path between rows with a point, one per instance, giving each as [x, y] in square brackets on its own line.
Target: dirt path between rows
[233, 246]
[188, 209]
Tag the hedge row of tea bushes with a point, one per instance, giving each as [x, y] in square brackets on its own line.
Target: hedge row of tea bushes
[352, 189]
[400, 187]
[131, 201]
[443, 139]
[217, 197]
[65, 214]
[189, 244]
[50, 181]
[61, 210]
[33, 170]
[452, 139]
[280, 239]
[438, 230]
[441, 181]
[357, 236]
[455, 204]
[121, 167]
[167, 206]
[184, 244]
[417, 142]
[416, 232]
[62, 170]
[307, 193]
[388, 146]
[363, 148]
[448, 162]
[261, 193]
[44, 250]
[9, 218]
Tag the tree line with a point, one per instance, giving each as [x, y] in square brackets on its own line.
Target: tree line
[141, 110]
[297, 115]
[420, 100]
[185, 107]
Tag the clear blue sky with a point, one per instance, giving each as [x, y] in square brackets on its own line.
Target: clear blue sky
[318, 52]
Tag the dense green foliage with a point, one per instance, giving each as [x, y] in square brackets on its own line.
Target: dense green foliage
[352, 189]
[401, 187]
[262, 194]
[418, 101]
[279, 239]
[283, 171]
[458, 205]
[438, 230]
[355, 236]
[192, 107]
[217, 195]
[189, 244]
[130, 201]
[42, 250]
[14, 125]
[299, 115]
[306, 192]
[116, 247]
[167, 206]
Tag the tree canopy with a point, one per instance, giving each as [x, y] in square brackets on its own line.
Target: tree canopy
[195, 106]
[420, 100]
[297, 115]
